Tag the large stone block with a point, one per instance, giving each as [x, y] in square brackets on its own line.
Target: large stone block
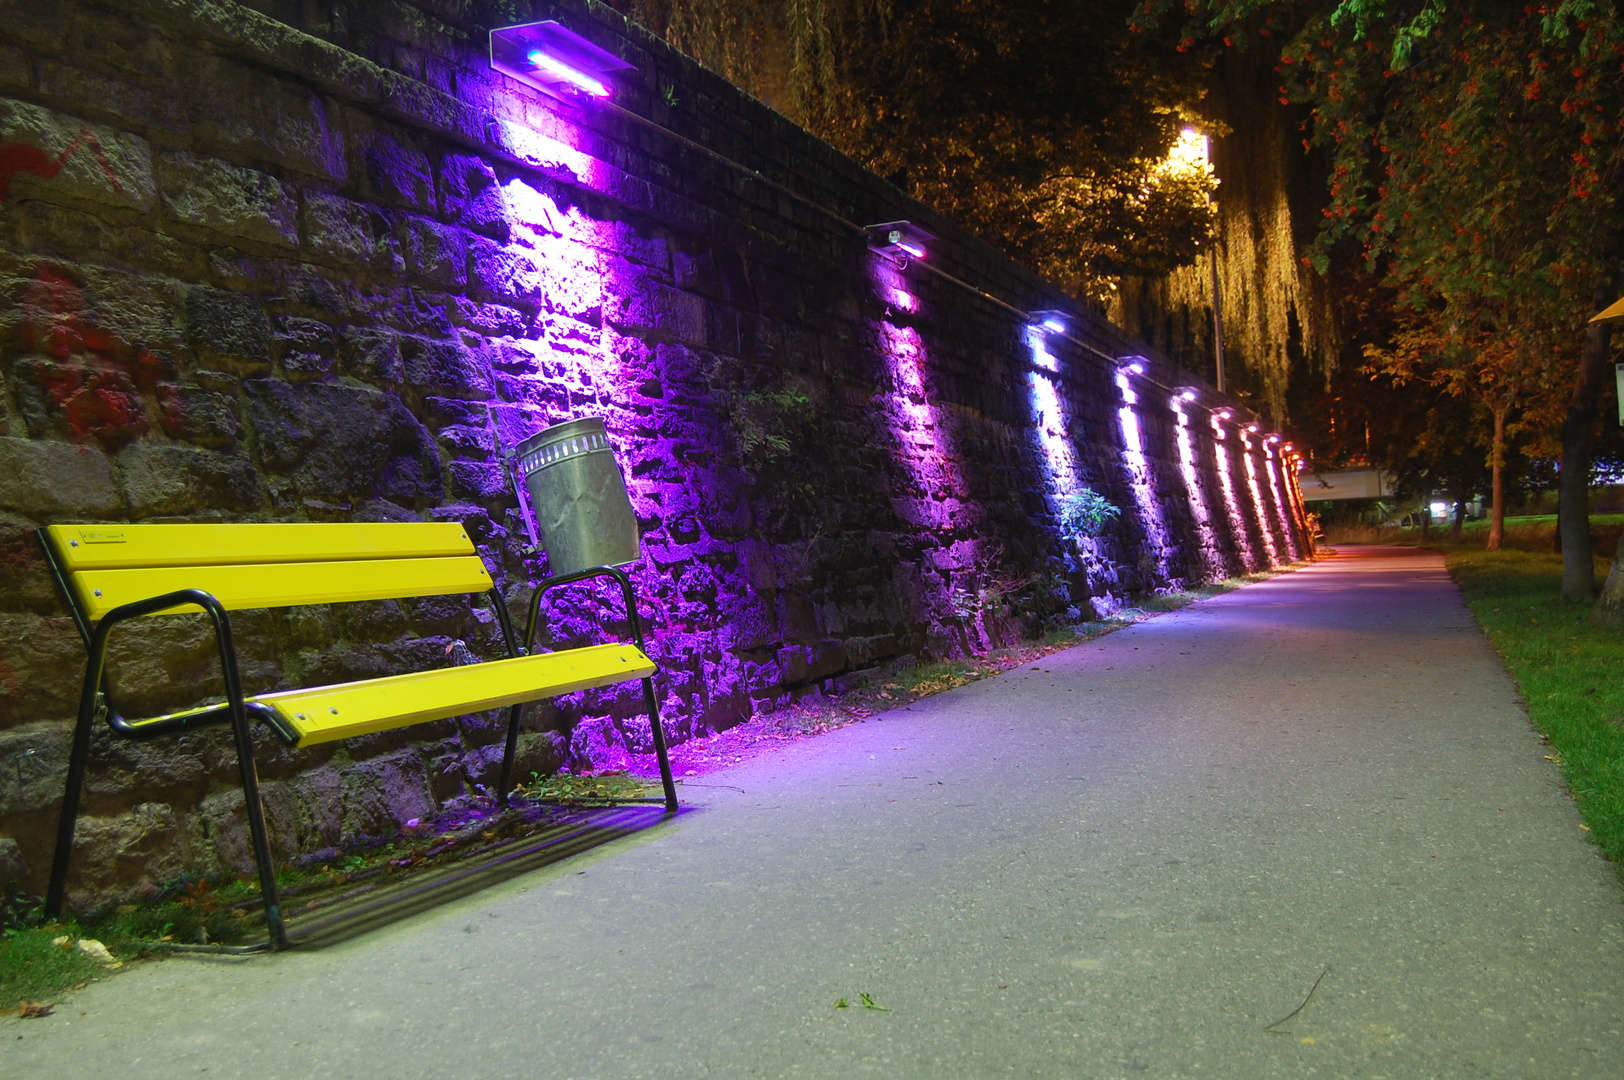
[471, 197]
[25, 584]
[13, 68]
[492, 320]
[507, 273]
[59, 157]
[340, 442]
[478, 480]
[434, 253]
[658, 309]
[114, 857]
[462, 441]
[36, 755]
[538, 752]
[393, 170]
[80, 400]
[120, 318]
[54, 481]
[199, 416]
[244, 204]
[228, 328]
[315, 288]
[340, 231]
[13, 869]
[394, 787]
[444, 412]
[240, 110]
[146, 102]
[371, 354]
[169, 481]
[447, 368]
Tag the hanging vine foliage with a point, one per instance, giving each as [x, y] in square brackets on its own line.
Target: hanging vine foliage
[1278, 313]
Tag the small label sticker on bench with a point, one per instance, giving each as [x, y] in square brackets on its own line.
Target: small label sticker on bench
[102, 536]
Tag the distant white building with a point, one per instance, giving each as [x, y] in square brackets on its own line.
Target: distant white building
[1345, 484]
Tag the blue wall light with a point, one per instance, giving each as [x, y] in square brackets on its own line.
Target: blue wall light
[1054, 322]
[554, 60]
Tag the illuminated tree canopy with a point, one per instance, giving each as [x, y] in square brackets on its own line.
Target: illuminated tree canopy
[1475, 162]
[1045, 127]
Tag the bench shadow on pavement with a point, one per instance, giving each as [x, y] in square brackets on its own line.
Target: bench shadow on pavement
[376, 905]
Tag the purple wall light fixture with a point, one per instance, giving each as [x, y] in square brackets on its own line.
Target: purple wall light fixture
[554, 60]
[898, 241]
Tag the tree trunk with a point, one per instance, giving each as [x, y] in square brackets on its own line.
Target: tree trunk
[1573, 515]
[1609, 609]
[1497, 463]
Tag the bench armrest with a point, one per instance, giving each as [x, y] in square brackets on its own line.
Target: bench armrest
[96, 699]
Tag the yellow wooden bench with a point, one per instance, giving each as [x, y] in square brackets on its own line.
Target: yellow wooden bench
[112, 573]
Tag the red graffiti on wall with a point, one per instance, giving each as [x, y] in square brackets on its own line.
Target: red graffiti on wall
[26, 158]
[97, 383]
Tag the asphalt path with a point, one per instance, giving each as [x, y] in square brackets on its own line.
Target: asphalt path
[1126, 859]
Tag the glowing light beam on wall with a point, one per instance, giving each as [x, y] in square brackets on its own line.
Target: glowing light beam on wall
[1232, 507]
[1058, 458]
[1271, 466]
[937, 498]
[1259, 511]
[1197, 492]
[1141, 480]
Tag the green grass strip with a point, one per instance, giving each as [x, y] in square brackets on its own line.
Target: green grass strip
[33, 968]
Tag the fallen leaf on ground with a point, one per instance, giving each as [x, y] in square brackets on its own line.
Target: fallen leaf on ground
[868, 1003]
[96, 951]
[33, 1010]
[840, 1003]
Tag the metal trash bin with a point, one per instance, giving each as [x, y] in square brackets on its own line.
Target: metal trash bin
[578, 496]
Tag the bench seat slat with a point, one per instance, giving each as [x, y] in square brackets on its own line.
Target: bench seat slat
[325, 713]
[283, 584]
[118, 547]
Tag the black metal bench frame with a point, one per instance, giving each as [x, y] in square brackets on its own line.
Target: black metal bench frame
[96, 703]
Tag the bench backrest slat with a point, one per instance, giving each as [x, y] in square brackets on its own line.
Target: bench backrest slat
[119, 547]
[261, 566]
[283, 584]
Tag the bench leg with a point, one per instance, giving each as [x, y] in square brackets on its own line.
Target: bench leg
[505, 784]
[78, 758]
[658, 731]
[257, 832]
[650, 702]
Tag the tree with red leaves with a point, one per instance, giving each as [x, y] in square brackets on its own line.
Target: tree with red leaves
[1476, 157]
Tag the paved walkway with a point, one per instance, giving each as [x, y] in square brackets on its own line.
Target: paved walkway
[1123, 860]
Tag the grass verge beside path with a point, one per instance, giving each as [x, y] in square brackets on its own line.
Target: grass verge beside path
[1570, 673]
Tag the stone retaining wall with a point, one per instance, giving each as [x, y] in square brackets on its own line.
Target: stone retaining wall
[318, 262]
